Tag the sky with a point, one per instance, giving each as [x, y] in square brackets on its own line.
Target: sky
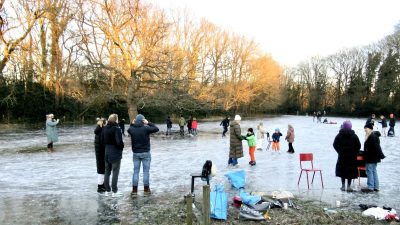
[296, 30]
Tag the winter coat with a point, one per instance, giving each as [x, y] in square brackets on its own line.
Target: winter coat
[383, 122]
[112, 139]
[276, 136]
[347, 145]
[182, 122]
[251, 140]
[260, 132]
[169, 123]
[235, 142]
[140, 136]
[194, 124]
[392, 122]
[290, 135]
[51, 131]
[189, 124]
[372, 148]
[225, 122]
[98, 142]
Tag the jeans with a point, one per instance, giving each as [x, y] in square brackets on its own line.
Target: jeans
[138, 158]
[372, 176]
[114, 167]
[182, 130]
[168, 131]
[233, 161]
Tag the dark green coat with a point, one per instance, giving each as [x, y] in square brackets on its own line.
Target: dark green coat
[235, 146]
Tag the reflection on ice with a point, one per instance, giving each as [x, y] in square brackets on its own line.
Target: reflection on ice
[55, 188]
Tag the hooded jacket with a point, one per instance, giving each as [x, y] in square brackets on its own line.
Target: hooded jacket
[235, 142]
[140, 136]
[347, 145]
[372, 148]
[290, 135]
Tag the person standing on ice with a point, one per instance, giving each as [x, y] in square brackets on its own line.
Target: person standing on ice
[251, 142]
[225, 125]
[392, 123]
[371, 120]
[168, 121]
[260, 136]
[51, 131]
[290, 138]
[275, 140]
[140, 131]
[372, 155]
[114, 145]
[182, 123]
[235, 142]
[347, 145]
[100, 150]
[384, 125]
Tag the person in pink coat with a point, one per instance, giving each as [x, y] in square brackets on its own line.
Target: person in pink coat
[290, 138]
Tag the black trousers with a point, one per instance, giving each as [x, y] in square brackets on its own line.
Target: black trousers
[291, 149]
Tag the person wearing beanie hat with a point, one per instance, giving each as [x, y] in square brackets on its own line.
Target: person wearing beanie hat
[251, 142]
[140, 132]
[235, 142]
[275, 140]
[238, 118]
[51, 131]
[347, 145]
[372, 156]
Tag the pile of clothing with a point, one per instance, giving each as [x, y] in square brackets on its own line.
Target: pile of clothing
[384, 213]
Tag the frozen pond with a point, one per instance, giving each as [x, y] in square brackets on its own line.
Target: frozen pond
[42, 188]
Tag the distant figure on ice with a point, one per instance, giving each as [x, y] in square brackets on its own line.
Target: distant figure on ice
[392, 123]
[384, 125]
[168, 121]
[260, 136]
[371, 120]
[189, 125]
[182, 123]
[140, 131]
[314, 115]
[251, 141]
[51, 131]
[372, 155]
[275, 140]
[319, 115]
[325, 120]
[194, 126]
[347, 145]
[112, 139]
[99, 150]
[290, 138]
[121, 125]
[235, 143]
[225, 125]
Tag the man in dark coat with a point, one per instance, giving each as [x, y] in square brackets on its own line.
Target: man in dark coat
[169, 126]
[347, 145]
[112, 138]
[392, 123]
[99, 149]
[225, 125]
[140, 131]
[372, 155]
[235, 144]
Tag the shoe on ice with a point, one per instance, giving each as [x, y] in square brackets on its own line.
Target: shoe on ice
[101, 188]
[247, 213]
[116, 194]
[147, 191]
[107, 193]
[366, 190]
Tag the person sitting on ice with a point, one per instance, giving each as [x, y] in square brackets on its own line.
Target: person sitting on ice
[325, 120]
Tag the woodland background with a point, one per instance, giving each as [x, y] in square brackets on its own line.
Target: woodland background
[89, 58]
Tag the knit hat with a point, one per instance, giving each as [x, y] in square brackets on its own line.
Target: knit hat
[139, 118]
[369, 126]
[237, 117]
[277, 130]
[347, 125]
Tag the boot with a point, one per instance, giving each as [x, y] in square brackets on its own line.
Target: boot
[147, 190]
[134, 191]
[101, 188]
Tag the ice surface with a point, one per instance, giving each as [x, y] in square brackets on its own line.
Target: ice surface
[60, 187]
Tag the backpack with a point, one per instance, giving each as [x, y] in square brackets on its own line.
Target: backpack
[206, 171]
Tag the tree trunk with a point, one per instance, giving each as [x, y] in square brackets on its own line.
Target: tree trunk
[132, 101]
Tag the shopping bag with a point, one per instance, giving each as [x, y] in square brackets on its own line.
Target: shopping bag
[237, 178]
[219, 203]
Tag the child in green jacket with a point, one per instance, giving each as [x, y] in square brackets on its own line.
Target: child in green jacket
[251, 141]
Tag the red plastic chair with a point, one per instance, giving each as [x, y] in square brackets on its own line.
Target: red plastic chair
[308, 157]
[360, 167]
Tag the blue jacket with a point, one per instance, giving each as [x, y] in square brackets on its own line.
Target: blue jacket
[140, 136]
[276, 136]
[112, 139]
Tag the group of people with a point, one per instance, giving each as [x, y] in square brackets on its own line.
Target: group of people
[109, 145]
[191, 123]
[383, 122]
[236, 138]
[348, 145]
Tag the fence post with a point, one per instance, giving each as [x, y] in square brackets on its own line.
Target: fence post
[189, 213]
[206, 205]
